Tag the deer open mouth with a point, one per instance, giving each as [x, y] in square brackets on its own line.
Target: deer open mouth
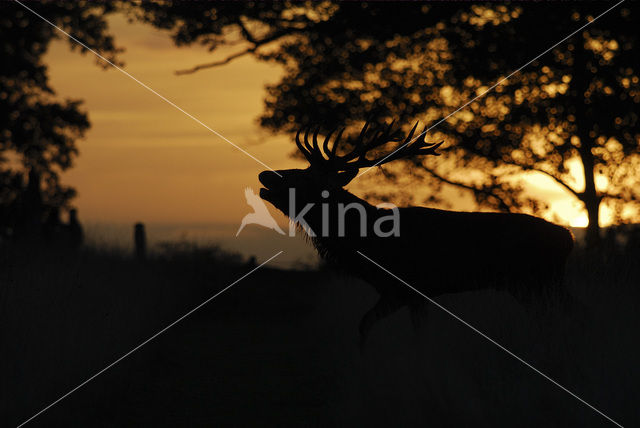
[264, 193]
[269, 180]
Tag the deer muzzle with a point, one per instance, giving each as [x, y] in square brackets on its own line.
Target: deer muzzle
[270, 180]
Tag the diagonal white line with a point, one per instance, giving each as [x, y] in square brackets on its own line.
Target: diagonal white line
[163, 98]
[492, 341]
[149, 339]
[491, 88]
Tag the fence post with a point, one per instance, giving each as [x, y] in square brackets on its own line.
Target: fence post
[140, 240]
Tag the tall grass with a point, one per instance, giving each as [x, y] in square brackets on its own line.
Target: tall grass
[66, 314]
[444, 374]
[294, 336]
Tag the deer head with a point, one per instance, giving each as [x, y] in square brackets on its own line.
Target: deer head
[329, 170]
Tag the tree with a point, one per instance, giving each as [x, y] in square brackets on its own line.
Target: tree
[38, 131]
[344, 61]
[576, 104]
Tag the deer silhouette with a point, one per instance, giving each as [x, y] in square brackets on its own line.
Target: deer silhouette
[436, 251]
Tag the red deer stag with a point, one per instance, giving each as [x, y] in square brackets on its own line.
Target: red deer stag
[436, 251]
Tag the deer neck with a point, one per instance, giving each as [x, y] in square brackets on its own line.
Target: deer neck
[337, 221]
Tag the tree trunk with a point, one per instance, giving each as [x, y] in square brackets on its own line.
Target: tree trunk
[592, 204]
[590, 197]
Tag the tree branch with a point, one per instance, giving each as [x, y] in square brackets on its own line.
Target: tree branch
[246, 32]
[256, 45]
[558, 180]
[619, 197]
[227, 60]
[485, 191]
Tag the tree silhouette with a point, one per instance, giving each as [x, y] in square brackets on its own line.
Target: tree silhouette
[345, 61]
[38, 131]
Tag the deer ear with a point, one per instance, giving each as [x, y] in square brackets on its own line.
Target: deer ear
[345, 177]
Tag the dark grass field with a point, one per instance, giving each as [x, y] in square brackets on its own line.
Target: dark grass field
[280, 348]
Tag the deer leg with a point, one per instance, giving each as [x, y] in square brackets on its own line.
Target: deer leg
[385, 306]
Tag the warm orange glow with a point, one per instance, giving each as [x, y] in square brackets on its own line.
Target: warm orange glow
[143, 160]
[580, 221]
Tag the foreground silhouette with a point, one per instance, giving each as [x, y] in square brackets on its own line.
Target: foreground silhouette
[436, 251]
[31, 222]
[284, 343]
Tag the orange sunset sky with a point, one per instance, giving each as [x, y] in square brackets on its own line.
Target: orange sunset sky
[143, 160]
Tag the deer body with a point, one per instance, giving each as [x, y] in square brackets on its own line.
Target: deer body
[436, 251]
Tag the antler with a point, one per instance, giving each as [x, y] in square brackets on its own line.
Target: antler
[326, 157]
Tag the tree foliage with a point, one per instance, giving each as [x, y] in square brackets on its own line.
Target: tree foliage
[38, 130]
[575, 107]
